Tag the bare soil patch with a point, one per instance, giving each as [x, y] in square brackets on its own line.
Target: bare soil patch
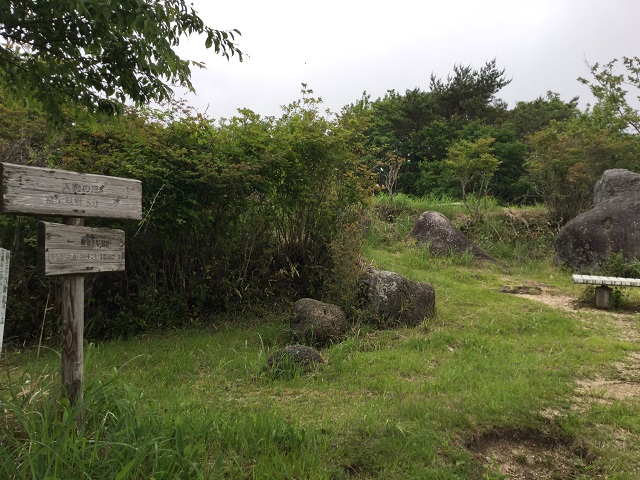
[625, 320]
[553, 300]
[529, 455]
[626, 324]
[601, 390]
[629, 370]
[623, 383]
[542, 293]
[534, 457]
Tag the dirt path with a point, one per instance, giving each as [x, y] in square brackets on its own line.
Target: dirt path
[529, 455]
[624, 380]
[553, 300]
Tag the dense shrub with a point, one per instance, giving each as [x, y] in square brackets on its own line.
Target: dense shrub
[249, 209]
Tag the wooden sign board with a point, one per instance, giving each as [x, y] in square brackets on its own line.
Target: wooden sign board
[43, 191]
[4, 287]
[72, 250]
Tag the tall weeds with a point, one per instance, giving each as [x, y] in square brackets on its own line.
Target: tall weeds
[123, 437]
[40, 437]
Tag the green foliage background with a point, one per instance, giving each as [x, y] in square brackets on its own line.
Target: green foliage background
[248, 210]
[93, 56]
[253, 211]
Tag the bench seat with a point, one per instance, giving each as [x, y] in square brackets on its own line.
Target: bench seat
[612, 281]
[604, 294]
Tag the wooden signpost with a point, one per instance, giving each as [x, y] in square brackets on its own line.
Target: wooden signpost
[4, 286]
[72, 250]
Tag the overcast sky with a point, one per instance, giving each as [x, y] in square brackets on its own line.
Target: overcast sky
[342, 48]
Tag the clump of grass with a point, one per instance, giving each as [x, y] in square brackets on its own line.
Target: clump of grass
[123, 437]
[41, 438]
[513, 234]
[618, 266]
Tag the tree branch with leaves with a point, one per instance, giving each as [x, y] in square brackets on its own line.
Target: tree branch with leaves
[611, 89]
[94, 55]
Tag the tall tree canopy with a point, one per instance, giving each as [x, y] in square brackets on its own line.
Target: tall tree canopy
[420, 126]
[95, 54]
[468, 93]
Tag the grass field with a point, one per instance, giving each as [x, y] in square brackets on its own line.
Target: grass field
[494, 386]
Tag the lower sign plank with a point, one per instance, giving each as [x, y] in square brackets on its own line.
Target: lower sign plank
[69, 250]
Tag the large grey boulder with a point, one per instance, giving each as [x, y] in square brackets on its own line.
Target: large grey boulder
[611, 226]
[617, 182]
[394, 299]
[442, 237]
[318, 323]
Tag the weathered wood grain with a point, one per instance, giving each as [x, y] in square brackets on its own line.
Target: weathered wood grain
[43, 191]
[72, 332]
[4, 287]
[68, 250]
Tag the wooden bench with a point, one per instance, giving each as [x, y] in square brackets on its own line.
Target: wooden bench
[604, 293]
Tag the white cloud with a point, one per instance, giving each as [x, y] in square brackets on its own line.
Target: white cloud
[341, 48]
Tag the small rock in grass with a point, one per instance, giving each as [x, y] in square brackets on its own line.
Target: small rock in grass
[294, 357]
[396, 300]
[442, 237]
[317, 323]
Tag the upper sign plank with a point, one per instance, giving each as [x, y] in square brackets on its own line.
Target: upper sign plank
[43, 191]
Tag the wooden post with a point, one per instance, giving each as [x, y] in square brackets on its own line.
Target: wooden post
[72, 334]
[4, 286]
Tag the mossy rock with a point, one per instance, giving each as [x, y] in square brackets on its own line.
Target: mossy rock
[294, 359]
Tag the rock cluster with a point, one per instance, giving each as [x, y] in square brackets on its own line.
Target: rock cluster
[388, 298]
